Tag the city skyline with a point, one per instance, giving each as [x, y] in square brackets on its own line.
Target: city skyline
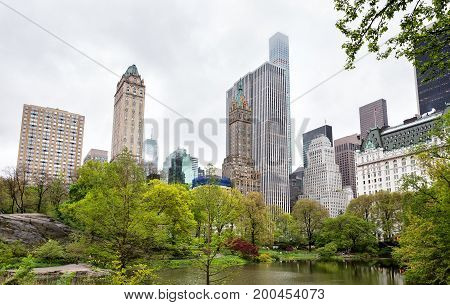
[94, 100]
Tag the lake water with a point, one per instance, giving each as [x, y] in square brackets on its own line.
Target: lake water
[294, 273]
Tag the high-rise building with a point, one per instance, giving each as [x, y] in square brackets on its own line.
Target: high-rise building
[180, 167]
[325, 130]
[239, 165]
[96, 155]
[434, 93]
[51, 142]
[344, 149]
[128, 124]
[322, 181]
[387, 154]
[296, 184]
[265, 91]
[373, 115]
[150, 156]
[279, 55]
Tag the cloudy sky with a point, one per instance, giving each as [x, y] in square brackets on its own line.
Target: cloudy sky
[189, 53]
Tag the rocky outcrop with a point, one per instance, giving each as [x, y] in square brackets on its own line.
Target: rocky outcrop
[31, 229]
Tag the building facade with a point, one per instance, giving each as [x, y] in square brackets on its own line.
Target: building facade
[279, 55]
[296, 184]
[265, 91]
[434, 93]
[96, 155]
[387, 154]
[150, 157]
[180, 167]
[128, 122]
[373, 115]
[325, 130]
[322, 181]
[51, 142]
[344, 149]
[239, 165]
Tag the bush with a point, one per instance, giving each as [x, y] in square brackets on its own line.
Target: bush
[327, 251]
[11, 253]
[246, 249]
[50, 251]
[265, 258]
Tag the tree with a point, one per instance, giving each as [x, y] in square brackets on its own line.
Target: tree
[255, 221]
[41, 184]
[217, 210]
[171, 202]
[57, 192]
[370, 21]
[425, 240]
[309, 215]
[286, 230]
[114, 210]
[387, 210]
[348, 232]
[361, 207]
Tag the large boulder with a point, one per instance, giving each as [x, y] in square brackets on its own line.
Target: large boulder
[31, 229]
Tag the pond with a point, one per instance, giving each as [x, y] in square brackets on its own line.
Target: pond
[294, 273]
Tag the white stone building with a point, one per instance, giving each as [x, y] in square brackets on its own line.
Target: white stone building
[322, 180]
[388, 154]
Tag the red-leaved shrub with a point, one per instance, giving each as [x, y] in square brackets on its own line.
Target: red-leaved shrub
[245, 248]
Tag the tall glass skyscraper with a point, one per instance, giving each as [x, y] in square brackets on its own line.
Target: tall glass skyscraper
[150, 156]
[279, 55]
[265, 91]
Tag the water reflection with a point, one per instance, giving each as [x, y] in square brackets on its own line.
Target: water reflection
[295, 273]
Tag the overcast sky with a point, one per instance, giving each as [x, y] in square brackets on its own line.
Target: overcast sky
[189, 53]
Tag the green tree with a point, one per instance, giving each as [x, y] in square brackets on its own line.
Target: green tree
[171, 203]
[255, 221]
[217, 210]
[361, 207]
[114, 209]
[370, 21]
[286, 230]
[387, 210]
[309, 215]
[349, 233]
[425, 241]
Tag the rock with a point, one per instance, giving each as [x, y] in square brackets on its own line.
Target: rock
[31, 229]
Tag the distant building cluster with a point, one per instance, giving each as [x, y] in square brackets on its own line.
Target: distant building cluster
[259, 145]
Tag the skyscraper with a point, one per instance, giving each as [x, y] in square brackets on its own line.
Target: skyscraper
[51, 142]
[373, 115]
[435, 93]
[128, 124]
[322, 181]
[239, 165]
[96, 155]
[325, 130]
[265, 91]
[279, 55]
[150, 156]
[180, 167]
[344, 149]
[296, 184]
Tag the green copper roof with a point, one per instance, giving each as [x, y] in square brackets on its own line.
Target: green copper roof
[132, 70]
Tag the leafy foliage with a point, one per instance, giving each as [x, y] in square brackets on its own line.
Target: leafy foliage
[425, 241]
[50, 251]
[348, 233]
[309, 216]
[424, 31]
[246, 249]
